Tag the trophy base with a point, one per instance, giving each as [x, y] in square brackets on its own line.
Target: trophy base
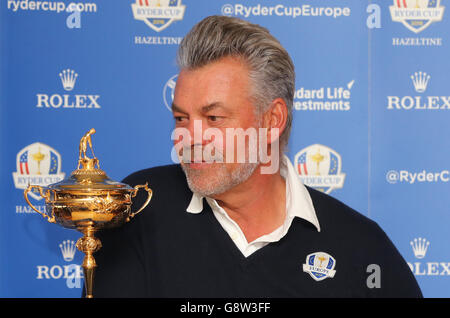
[89, 244]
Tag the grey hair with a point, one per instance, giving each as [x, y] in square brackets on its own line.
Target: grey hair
[271, 69]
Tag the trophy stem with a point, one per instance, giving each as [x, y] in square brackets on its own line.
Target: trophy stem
[89, 244]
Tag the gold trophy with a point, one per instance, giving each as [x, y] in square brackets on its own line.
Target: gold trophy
[88, 201]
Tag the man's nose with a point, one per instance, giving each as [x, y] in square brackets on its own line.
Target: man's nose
[195, 128]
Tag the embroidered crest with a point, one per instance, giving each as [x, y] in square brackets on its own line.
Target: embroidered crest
[320, 265]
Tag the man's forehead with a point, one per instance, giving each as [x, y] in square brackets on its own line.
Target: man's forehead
[212, 86]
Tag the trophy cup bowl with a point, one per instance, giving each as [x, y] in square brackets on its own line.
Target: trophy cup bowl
[88, 201]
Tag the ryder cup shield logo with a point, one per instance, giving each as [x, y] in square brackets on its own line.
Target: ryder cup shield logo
[37, 164]
[319, 167]
[158, 14]
[416, 15]
[320, 265]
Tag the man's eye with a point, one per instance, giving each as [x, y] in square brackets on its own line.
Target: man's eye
[214, 118]
[179, 119]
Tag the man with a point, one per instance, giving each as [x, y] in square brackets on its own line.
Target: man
[227, 228]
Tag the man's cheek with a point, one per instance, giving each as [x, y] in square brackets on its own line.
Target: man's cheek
[241, 146]
[214, 149]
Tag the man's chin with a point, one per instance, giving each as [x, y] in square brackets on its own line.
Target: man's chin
[215, 178]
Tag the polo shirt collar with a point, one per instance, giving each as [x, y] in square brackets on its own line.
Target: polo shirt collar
[298, 201]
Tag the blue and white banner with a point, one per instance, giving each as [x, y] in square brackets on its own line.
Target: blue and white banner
[371, 114]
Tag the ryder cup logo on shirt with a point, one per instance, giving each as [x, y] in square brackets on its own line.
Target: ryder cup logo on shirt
[158, 14]
[319, 167]
[320, 266]
[37, 164]
[169, 91]
[416, 15]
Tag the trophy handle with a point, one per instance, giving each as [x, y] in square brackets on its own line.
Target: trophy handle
[149, 197]
[45, 196]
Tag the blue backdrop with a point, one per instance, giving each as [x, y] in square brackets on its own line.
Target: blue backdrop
[372, 96]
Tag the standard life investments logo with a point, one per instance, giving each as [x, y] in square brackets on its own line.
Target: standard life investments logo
[336, 98]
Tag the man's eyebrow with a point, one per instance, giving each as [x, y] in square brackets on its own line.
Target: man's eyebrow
[212, 106]
[175, 108]
[204, 109]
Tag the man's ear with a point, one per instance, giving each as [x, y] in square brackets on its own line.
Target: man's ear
[275, 119]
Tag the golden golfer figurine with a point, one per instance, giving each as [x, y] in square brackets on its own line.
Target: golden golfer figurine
[83, 144]
[88, 201]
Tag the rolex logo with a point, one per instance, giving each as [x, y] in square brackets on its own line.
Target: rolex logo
[68, 79]
[420, 246]
[68, 250]
[420, 81]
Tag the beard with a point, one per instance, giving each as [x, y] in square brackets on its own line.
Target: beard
[217, 179]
